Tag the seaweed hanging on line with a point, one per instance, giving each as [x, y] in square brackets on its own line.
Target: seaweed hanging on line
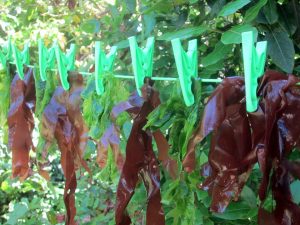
[21, 123]
[62, 121]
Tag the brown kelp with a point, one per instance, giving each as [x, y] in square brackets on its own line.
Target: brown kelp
[141, 161]
[21, 122]
[62, 121]
[240, 139]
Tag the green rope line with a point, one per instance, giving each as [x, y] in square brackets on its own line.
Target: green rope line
[153, 78]
[124, 76]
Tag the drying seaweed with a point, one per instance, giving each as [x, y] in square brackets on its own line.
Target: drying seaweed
[141, 161]
[240, 139]
[62, 121]
[21, 122]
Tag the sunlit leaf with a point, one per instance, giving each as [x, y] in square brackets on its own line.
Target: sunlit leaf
[220, 52]
[150, 21]
[234, 35]
[183, 33]
[91, 26]
[19, 211]
[237, 211]
[249, 196]
[232, 7]
[254, 10]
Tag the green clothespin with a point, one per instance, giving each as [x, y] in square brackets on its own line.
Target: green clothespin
[187, 67]
[142, 61]
[3, 59]
[65, 63]
[20, 58]
[46, 59]
[6, 54]
[7, 50]
[103, 63]
[3, 56]
[254, 62]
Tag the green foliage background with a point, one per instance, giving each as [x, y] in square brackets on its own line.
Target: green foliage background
[216, 24]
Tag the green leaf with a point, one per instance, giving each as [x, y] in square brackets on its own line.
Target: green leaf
[91, 26]
[207, 221]
[261, 18]
[220, 52]
[287, 22]
[234, 35]
[237, 211]
[201, 194]
[208, 71]
[184, 33]
[232, 7]
[149, 21]
[188, 129]
[20, 209]
[127, 129]
[295, 187]
[270, 11]
[6, 187]
[281, 50]
[131, 5]
[51, 217]
[161, 6]
[249, 196]
[122, 44]
[297, 69]
[216, 8]
[252, 13]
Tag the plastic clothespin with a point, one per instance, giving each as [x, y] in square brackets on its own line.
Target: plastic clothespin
[142, 61]
[3, 59]
[254, 62]
[65, 63]
[46, 59]
[6, 53]
[103, 63]
[187, 67]
[20, 58]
